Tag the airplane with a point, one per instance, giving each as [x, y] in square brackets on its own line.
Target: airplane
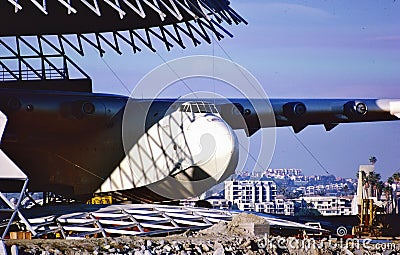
[72, 142]
[76, 143]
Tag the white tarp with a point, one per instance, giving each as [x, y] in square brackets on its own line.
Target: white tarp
[2, 248]
[3, 122]
[8, 170]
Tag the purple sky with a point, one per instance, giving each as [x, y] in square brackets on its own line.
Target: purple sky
[300, 49]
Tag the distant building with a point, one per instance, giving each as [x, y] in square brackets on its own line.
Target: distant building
[250, 195]
[281, 173]
[329, 206]
[283, 207]
[258, 196]
[257, 191]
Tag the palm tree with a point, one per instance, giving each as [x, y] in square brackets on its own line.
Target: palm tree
[373, 160]
[378, 189]
[396, 180]
[371, 182]
[387, 190]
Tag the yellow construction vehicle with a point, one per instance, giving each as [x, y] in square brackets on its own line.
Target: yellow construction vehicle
[100, 200]
[369, 223]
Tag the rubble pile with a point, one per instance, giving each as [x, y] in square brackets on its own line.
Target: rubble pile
[222, 238]
[142, 246]
[235, 226]
[191, 245]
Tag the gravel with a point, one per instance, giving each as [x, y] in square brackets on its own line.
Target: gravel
[189, 246]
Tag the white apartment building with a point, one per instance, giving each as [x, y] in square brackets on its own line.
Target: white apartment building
[329, 206]
[250, 195]
[281, 206]
[258, 196]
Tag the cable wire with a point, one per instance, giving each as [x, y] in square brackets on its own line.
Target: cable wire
[309, 151]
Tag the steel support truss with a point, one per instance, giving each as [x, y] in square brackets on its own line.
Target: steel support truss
[195, 19]
[163, 8]
[34, 45]
[45, 57]
[136, 39]
[35, 58]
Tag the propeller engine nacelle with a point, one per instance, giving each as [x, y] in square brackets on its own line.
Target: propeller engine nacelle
[183, 154]
[355, 109]
[294, 110]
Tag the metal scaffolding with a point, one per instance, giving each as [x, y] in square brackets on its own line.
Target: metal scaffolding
[35, 58]
[34, 44]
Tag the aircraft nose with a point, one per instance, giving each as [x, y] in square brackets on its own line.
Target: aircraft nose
[179, 157]
[213, 145]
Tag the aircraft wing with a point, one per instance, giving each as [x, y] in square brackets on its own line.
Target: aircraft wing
[299, 113]
[85, 144]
